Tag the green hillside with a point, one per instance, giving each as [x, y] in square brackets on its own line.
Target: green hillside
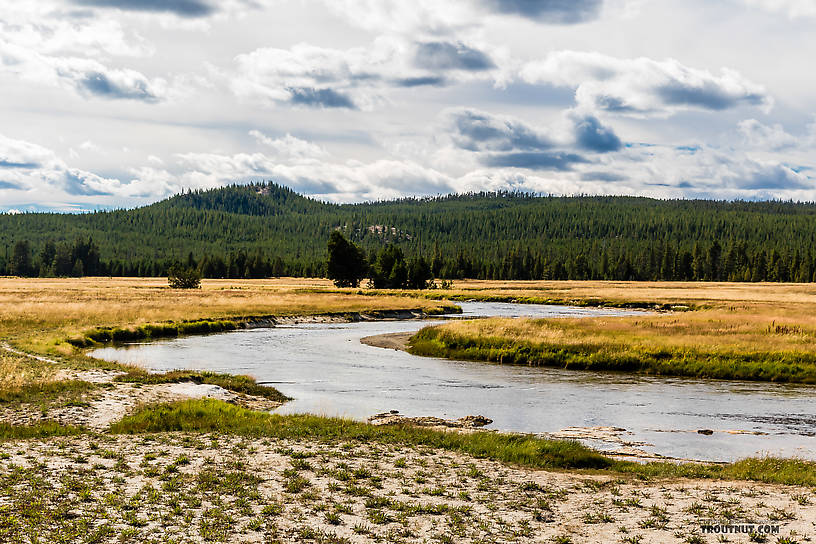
[266, 229]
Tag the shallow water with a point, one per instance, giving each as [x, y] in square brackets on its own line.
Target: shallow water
[326, 369]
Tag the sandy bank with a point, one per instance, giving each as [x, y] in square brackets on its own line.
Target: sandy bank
[391, 340]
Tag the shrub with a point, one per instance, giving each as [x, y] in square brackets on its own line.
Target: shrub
[183, 278]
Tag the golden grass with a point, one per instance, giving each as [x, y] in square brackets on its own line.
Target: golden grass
[41, 310]
[17, 371]
[743, 327]
[644, 291]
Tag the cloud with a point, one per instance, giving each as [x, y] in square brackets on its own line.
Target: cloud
[770, 177]
[323, 98]
[452, 17]
[181, 8]
[419, 81]
[534, 160]
[445, 56]
[760, 136]
[9, 185]
[355, 78]
[642, 86]
[793, 8]
[591, 135]
[11, 164]
[549, 11]
[89, 77]
[118, 84]
[602, 176]
[289, 146]
[476, 130]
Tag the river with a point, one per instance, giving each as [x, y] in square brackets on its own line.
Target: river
[326, 369]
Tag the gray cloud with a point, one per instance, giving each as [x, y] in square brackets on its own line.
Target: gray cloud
[99, 84]
[451, 56]
[75, 185]
[534, 160]
[4, 163]
[602, 176]
[591, 135]
[320, 98]
[709, 95]
[480, 131]
[772, 177]
[432, 81]
[182, 8]
[643, 86]
[549, 11]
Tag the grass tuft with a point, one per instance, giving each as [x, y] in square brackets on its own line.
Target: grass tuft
[43, 429]
[236, 383]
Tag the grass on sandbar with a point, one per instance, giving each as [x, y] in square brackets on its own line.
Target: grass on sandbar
[42, 429]
[44, 391]
[236, 383]
[221, 417]
[527, 451]
[699, 344]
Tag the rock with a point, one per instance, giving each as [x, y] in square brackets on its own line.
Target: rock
[393, 417]
[705, 431]
[475, 421]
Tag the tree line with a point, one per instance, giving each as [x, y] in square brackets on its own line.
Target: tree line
[263, 230]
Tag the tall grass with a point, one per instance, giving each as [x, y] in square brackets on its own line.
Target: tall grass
[777, 346]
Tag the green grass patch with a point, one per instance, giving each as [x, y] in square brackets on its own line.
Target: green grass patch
[213, 416]
[43, 429]
[103, 335]
[45, 392]
[781, 366]
[231, 382]
[220, 417]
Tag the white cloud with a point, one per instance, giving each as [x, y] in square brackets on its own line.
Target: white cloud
[758, 135]
[355, 78]
[642, 86]
[793, 8]
[289, 146]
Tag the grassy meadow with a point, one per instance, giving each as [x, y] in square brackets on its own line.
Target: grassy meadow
[726, 331]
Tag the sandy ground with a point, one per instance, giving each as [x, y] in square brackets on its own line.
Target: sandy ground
[112, 400]
[392, 340]
[200, 488]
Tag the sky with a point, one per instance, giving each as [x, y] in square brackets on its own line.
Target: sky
[121, 103]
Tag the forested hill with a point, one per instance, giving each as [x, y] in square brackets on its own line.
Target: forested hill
[264, 229]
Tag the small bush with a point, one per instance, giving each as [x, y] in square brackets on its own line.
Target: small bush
[183, 278]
